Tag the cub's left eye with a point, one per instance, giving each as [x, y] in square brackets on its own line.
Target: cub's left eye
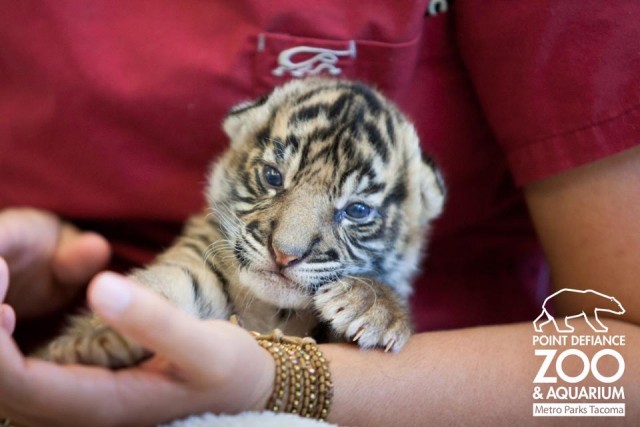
[357, 210]
[272, 176]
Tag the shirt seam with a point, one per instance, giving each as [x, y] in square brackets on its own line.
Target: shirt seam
[590, 125]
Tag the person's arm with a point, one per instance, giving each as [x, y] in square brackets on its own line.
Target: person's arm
[588, 220]
[478, 376]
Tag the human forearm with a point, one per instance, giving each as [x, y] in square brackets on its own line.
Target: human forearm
[479, 376]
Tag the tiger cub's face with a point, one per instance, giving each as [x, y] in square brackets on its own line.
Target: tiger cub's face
[324, 180]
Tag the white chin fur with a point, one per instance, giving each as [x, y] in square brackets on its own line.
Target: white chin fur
[273, 290]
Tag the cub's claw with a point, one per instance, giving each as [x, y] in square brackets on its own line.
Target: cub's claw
[365, 312]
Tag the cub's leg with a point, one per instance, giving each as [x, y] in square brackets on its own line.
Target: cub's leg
[365, 311]
[182, 274]
[90, 341]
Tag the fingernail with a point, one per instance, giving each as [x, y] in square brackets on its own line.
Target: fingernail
[111, 294]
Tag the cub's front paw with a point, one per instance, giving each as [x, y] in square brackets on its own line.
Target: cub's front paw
[365, 311]
[90, 342]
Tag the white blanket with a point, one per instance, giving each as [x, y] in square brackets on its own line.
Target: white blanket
[248, 419]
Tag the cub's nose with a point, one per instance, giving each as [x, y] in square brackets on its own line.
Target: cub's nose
[283, 259]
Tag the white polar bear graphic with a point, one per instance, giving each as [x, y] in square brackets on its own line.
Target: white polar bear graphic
[590, 302]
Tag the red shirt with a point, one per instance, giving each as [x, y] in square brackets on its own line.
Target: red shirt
[110, 114]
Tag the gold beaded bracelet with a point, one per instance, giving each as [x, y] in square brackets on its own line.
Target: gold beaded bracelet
[302, 382]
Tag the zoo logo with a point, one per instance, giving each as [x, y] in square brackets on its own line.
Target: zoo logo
[584, 299]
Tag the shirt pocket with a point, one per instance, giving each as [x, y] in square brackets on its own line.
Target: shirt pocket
[281, 57]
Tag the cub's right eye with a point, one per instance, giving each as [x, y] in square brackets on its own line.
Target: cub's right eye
[272, 176]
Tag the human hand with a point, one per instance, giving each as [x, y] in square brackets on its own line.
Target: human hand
[49, 260]
[198, 366]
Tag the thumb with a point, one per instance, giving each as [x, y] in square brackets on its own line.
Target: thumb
[152, 321]
[79, 256]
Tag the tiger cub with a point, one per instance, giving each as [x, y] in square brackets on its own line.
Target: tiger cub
[317, 215]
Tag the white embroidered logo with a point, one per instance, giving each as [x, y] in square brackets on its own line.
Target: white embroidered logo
[323, 59]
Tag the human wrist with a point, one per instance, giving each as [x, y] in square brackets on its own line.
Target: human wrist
[263, 387]
[302, 379]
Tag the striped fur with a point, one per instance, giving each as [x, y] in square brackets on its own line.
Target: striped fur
[290, 255]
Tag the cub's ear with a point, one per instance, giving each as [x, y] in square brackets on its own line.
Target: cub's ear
[245, 117]
[424, 177]
[432, 189]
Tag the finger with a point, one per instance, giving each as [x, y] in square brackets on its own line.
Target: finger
[11, 363]
[26, 228]
[7, 318]
[12, 379]
[7, 315]
[79, 256]
[156, 324]
[4, 279]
